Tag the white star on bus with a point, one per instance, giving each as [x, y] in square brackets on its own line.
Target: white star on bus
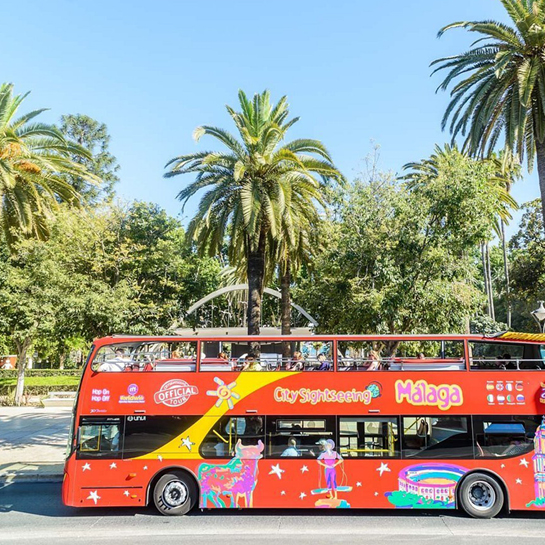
[275, 470]
[126, 493]
[302, 496]
[186, 442]
[383, 467]
[304, 468]
[87, 467]
[94, 496]
[524, 462]
[113, 465]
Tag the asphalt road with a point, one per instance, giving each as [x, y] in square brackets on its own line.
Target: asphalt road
[31, 512]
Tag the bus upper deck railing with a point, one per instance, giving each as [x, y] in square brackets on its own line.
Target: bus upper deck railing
[160, 362]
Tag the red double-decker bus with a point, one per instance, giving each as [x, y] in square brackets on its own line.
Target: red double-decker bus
[406, 422]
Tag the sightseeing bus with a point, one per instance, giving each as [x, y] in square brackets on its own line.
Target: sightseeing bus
[344, 421]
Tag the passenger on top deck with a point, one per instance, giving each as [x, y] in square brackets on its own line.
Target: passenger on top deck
[250, 363]
[375, 364]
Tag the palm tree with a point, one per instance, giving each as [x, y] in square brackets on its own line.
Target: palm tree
[33, 159]
[501, 86]
[251, 185]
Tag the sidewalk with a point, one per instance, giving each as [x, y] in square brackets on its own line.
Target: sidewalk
[32, 443]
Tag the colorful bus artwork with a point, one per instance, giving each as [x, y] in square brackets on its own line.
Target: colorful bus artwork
[328, 422]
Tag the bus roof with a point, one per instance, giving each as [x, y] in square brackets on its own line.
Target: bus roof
[502, 336]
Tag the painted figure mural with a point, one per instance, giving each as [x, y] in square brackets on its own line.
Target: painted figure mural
[329, 459]
[538, 460]
[235, 480]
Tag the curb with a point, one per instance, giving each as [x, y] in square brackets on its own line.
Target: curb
[11, 478]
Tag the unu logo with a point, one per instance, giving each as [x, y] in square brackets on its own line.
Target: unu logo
[174, 393]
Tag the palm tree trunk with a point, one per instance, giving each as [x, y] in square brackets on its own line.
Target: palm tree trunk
[506, 273]
[485, 276]
[256, 275]
[490, 287]
[540, 156]
[285, 281]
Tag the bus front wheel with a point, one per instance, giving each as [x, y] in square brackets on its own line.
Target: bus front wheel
[175, 494]
[481, 496]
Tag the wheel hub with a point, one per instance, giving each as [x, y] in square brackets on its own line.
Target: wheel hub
[482, 495]
[175, 494]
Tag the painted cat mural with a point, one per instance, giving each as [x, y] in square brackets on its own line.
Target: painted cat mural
[236, 479]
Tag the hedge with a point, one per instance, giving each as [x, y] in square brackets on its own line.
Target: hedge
[12, 373]
[39, 385]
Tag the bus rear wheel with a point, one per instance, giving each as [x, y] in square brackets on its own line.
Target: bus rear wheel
[175, 494]
[481, 496]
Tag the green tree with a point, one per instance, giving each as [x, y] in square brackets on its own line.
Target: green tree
[501, 85]
[477, 183]
[250, 185]
[400, 257]
[93, 136]
[34, 158]
[527, 270]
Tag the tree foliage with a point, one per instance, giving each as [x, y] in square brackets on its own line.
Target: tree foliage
[92, 136]
[34, 160]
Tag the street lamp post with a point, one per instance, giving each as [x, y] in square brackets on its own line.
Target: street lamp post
[539, 316]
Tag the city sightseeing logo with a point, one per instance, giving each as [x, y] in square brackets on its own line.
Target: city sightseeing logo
[174, 393]
[132, 395]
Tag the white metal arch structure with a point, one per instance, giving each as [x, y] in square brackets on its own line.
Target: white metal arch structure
[244, 287]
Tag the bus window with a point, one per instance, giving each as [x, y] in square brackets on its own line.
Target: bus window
[359, 356]
[504, 436]
[427, 356]
[373, 437]
[222, 439]
[292, 436]
[99, 438]
[267, 356]
[146, 356]
[144, 434]
[494, 356]
[437, 437]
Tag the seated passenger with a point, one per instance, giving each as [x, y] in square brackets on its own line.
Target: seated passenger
[375, 364]
[324, 364]
[250, 364]
[116, 364]
[292, 450]
[297, 363]
[223, 356]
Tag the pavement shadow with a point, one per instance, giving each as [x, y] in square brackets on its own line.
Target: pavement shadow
[33, 429]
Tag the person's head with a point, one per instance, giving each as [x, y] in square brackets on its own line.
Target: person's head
[321, 358]
[297, 355]
[119, 352]
[292, 442]
[222, 356]
[374, 355]
[250, 357]
[421, 355]
[506, 356]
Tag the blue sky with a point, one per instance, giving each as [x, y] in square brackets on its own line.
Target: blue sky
[153, 71]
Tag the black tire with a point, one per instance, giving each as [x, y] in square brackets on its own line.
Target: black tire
[175, 494]
[481, 496]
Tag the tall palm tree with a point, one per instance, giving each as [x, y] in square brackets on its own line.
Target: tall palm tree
[296, 245]
[33, 159]
[501, 85]
[249, 186]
